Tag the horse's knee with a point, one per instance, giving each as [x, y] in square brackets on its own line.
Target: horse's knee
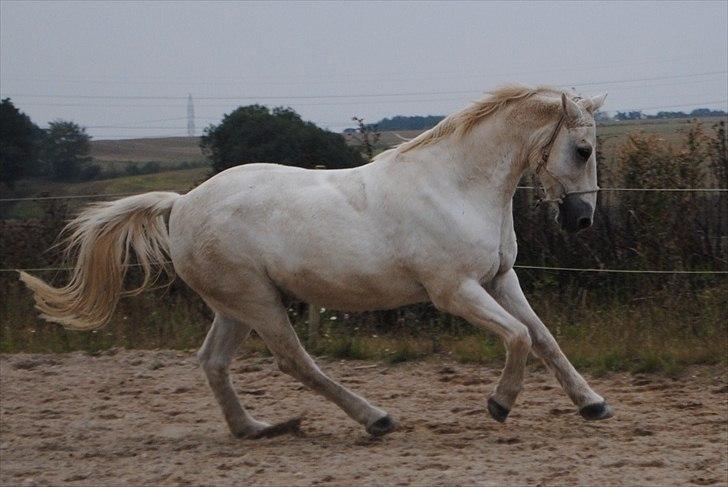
[519, 338]
[544, 346]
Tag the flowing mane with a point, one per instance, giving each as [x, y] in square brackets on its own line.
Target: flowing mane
[465, 120]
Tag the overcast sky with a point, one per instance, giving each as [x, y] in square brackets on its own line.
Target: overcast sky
[125, 69]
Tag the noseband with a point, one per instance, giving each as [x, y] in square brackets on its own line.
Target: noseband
[543, 166]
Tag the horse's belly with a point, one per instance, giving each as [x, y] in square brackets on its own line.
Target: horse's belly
[350, 291]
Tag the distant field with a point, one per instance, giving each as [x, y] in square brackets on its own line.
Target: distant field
[114, 154]
[614, 134]
[176, 150]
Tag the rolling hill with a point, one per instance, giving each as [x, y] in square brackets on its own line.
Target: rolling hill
[158, 149]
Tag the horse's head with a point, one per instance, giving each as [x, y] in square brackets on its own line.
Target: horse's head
[568, 168]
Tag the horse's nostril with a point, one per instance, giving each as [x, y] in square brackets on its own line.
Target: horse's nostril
[584, 223]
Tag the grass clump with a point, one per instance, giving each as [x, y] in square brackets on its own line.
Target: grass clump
[348, 347]
[406, 351]
[479, 348]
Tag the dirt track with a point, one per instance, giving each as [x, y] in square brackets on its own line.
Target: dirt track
[148, 418]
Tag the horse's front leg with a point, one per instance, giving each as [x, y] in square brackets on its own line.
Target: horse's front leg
[507, 291]
[470, 301]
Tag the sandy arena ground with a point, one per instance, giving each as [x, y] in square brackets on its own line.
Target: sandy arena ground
[148, 418]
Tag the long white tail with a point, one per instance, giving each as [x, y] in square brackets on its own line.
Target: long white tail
[100, 239]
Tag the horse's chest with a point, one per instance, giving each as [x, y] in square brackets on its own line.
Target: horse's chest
[499, 256]
[507, 253]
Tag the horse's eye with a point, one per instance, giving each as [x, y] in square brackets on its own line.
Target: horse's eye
[584, 152]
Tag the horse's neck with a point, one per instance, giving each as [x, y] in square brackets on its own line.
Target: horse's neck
[488, 161]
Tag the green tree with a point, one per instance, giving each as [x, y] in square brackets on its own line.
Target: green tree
[19, 140]
[405, 122]
[65, 149]
[256, 134]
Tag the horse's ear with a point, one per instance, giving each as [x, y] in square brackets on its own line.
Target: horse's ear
[594, 103]
[571, 109]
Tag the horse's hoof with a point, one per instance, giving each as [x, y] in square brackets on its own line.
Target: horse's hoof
[497, 412]
[292, 426]
[595, 412]
[382, 426]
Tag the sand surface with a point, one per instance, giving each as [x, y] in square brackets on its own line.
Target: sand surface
[148, 418]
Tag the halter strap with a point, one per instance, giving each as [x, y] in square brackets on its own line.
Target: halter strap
[546, 151]
[543, 165]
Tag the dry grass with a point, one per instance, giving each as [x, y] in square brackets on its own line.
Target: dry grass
[160, 149]
[663, 334]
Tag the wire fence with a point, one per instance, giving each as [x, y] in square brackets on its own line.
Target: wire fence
[528, 267]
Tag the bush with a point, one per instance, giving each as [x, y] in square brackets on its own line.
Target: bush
[256, 134]
[90, 172]
[65, 150]
[151, 168]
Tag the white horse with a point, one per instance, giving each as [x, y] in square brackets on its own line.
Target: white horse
[429, 220]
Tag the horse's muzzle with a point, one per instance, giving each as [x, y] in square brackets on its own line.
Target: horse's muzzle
[575, 214]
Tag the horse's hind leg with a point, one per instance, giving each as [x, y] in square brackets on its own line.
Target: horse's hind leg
[276, 330]
[215, 356]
